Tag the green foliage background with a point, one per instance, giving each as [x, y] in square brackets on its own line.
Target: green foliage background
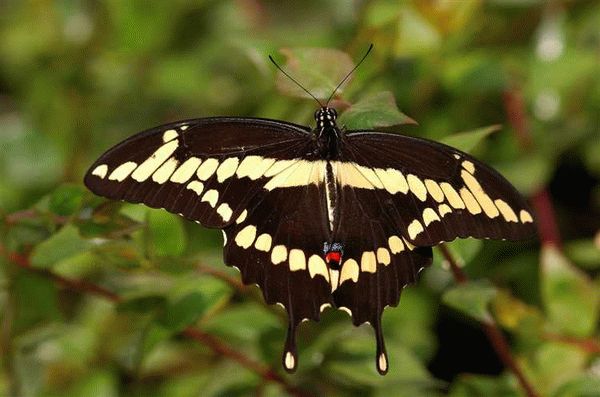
[78, 76]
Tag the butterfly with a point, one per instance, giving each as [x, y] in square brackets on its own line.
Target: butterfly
[317, 217]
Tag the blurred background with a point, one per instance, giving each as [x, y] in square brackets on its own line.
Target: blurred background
[105, 299]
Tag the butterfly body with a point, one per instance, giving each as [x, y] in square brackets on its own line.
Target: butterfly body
[316, 217]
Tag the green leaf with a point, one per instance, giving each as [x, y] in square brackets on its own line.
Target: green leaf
[529, 173]
[99, 383]
[375, 110]
[466, 141]
[319, 70]
[66, 200]
[37, 300]
[583, 385]
[585, 253]
[65, 243]
[462, 250]
[472, 298]
[190, 299]
[570, 298]
[556, 363]
[483, 386]
[166, 233]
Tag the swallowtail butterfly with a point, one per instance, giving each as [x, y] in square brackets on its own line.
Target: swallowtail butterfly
[317, 217]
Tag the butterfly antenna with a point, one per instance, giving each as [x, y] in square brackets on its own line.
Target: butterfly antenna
[349, 74]
[291, 78]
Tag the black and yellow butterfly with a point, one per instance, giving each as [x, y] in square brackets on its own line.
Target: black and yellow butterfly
[316, 217]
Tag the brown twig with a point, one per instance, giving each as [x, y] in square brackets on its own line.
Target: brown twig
[586, 344]
[216, 345]
[265, 372]
[493, 333]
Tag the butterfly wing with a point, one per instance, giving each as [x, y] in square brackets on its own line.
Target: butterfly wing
[398, 197]
[256, 179]
[205, 169]
[434, 193]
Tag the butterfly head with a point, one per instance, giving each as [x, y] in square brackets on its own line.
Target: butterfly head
[325, 118]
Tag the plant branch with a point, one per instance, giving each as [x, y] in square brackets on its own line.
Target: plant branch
[216, 345]
[493, 333]
[588, 345]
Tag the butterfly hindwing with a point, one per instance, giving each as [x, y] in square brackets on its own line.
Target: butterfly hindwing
[278, 246]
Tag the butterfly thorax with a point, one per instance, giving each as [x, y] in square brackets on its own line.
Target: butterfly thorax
[327, 133]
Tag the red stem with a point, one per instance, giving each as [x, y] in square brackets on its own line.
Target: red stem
[493, 333]
[216, 345]
[516, 114]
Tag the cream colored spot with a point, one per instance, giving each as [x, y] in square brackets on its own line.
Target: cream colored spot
[382, 363]
[196, 186]
[169, 135]
[469, 166]
[444, 209]
[393, 180]
[242, 217]
[211, 197]
[254, 167]
[186, 170]
[324, 306]
[207, 168]
[224, 238]
[349, 271]
[279, 254]
[227, 169]
[164, 171]
[121, 172]
[470, 201]
[184, 127]
[451, 195]
[434, 190]
[346, 310]
[383, 256]
[484, 200]
[357, 176]
[290, 361]
[246, 236]
[396, 245]
[297, 260]
[414, 229]
[151, 164]
[507, 213]
[409, 245]
[278, 167]
[316, 265]
[248, 165]
[301, 173]
[456, 156]
[100, 171]
[429, 215]
[417, 187]
[368, 262]
[263, 242]
[225, 211]
[525, 217]
[334, 277]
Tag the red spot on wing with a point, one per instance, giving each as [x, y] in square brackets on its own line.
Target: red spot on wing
[333, 257]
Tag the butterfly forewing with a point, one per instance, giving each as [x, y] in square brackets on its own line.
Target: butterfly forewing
[432, 193]
[205, 170]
